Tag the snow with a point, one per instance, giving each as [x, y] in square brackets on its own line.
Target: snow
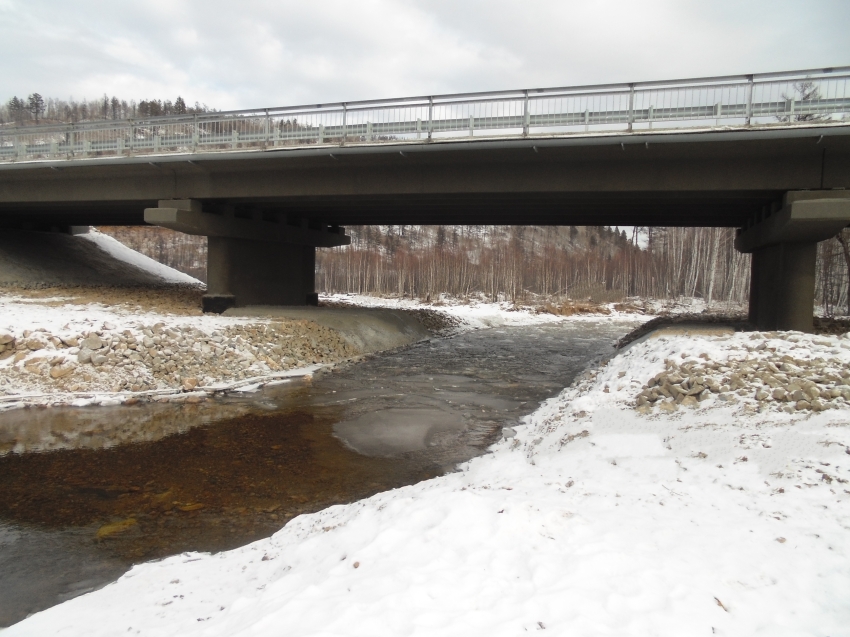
[475, 314]
[119, 251]
[593, 519]
[62, 318]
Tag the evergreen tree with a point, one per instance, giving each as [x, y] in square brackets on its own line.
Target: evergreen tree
[35, 105]
[17, 109]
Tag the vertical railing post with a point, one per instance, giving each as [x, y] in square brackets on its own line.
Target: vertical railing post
[586, 120]
[195, 136]
[749, 99]
[471, 125]
[430, 118]
[266, 127]
[651, 115]
[132, 134]
[526, 117]
[344, 123]
[631, 106]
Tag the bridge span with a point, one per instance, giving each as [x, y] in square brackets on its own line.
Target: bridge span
[769, 154]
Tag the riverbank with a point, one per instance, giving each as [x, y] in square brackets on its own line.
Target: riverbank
[56, 351]
[596, 515]
[97, 345]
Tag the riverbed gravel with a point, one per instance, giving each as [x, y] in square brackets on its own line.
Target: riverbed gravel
[159, 356]
[780, 371]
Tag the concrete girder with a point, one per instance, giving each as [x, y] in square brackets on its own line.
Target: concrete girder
[187, 216]
[784, 249]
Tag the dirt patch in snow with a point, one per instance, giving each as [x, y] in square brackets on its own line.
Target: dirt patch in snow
[180, 300]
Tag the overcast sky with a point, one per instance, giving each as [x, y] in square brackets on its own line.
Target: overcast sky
[252, 53]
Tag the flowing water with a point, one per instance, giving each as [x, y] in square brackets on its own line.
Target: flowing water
[87, 492]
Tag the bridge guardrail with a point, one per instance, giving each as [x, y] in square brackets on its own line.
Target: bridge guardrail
[729, 101]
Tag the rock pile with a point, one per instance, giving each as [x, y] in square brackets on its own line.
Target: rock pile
[771, 380]
[162, 356]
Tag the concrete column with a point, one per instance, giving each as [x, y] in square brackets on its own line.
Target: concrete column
[784, 244]
[243, 272]
[782, 287]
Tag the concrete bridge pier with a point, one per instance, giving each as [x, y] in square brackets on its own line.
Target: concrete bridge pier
[783, 243]
[253, 258]
[242, 272]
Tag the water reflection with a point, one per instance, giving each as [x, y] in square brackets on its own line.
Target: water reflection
[50, 429]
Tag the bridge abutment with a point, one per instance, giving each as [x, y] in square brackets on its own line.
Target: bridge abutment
[783, 244]
[252, 259]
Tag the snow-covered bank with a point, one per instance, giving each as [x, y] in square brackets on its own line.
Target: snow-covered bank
[594, 518]
[56, 350]
[477, 314]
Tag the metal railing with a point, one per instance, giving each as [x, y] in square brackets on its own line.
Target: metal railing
[730, 101]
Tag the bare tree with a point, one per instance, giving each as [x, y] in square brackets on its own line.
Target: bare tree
[804, 91]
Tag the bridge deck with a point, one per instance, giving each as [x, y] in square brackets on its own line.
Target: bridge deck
[586, 155]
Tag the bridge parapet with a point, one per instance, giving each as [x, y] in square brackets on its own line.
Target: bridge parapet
[766, 99]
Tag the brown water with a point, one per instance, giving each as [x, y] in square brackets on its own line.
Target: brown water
[85, 493]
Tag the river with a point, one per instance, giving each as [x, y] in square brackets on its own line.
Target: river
[87, 492]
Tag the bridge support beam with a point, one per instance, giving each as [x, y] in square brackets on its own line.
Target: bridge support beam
[252, 258]
[784, 248]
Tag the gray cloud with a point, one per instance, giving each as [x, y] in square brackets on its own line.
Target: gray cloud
[252, 53]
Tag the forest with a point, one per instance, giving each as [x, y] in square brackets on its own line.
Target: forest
[529, 263]
[35, 109]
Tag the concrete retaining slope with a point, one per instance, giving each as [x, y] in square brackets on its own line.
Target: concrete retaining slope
[38, 259]
[367, 329]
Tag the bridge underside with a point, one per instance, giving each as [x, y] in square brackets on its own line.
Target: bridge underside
[266, 212]
[707, 209]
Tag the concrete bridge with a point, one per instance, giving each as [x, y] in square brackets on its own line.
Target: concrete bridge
[769, 154]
